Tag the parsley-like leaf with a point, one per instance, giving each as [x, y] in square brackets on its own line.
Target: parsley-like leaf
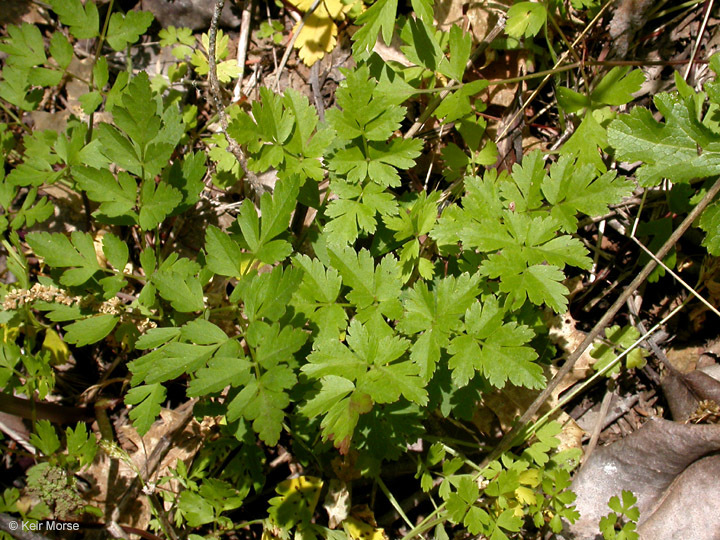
[380, 17]
[434, 315]
[126, 29]
[573, 189]
[680, 149]
[84, 21]
[496, 349]
[374, 289]
[316, 297]
[59, 252]
[262, 401]
[147, 399]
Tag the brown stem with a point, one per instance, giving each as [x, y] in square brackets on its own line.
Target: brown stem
[233, 146]
[33, 410]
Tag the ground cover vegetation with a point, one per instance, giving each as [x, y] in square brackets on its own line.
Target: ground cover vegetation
[352, 275]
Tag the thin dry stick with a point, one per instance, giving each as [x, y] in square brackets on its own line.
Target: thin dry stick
[604, 408]
[657, 351]
[242, 46]
[659, 261]
[437, 100]
[233, 146]
[290, 45]
[508, 439]
[253, 183]
[696, 45]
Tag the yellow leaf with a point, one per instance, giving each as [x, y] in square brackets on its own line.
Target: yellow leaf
[57, 348]
[10, 333]
[359, 530]
[318, 35]
[297, 501]
[525, 496]
[530, 477]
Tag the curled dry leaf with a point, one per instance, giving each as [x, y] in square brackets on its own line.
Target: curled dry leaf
[685, 391]
[668, 465]
[109, 491]
[661, 463]
[337, 503]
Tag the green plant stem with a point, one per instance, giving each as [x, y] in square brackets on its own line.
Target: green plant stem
[393, 500]
[426, 524]
[435, 103]
[573, 52]
[14, 117]
[561, 69]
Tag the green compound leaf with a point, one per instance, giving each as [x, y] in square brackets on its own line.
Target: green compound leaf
[366, 112]
[681, 148]
[316, 297]
[380, 164]
[60, 49]
[374, 289]
[147, 134]
[202, 332]
[341, 404]
[184, 292]
[260, 233]
[541, 284]
[586, 143]
[59, 252]
[372, 369]
[45, 438]
[24, 46]
[618, 86]
[157, 201]
[147, 400]
[156, 337]
[116, 196]
[422, 47]
[220, 373]
[525, 19]
[495, 349]
[615, 88]
[262, 401]
[90, 330]
[116, 251]
[461, 509]
[81, 445]
[171, 361]
[434, 315]
[274, 344]
[379, 18]
[266, 296]
[224, 256]
[460, 47]
[84, 21]
[126, 29]
[573, 189]
[15, 89]
[356, 208]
